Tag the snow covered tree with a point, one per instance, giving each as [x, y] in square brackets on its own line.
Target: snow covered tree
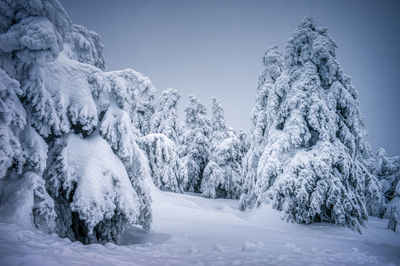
[272, 86]
[218, 126]
[84, 45]
[164, 118]
[49, 96]
[31, 34]
[136, 91]
[222, 175]
[91, 211]
[195, 142]
[313, 167]
[387, 170]
[167, 169]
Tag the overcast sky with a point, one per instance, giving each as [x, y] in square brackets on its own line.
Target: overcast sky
[215, 48]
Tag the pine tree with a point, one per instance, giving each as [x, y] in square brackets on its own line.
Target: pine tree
[59, 107]
[222, 175]
[31, 35]
[167, 169]
[387, 170]
[164, 119]
[313, 167]
[272, 86]
[194, 146]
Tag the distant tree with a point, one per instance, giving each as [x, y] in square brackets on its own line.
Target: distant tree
[167, 170]
[195, 139]
[222, 175]
[164, 119]
[387, 170]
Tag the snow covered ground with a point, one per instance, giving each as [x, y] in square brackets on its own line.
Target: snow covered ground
[190, 230]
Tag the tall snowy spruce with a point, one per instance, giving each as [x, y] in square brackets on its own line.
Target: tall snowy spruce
[67, 128]
[313, 166]
[194, 143]
[222, 175]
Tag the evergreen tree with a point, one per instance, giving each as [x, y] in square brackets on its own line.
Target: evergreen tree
[164, 118]
[313, 167]
[272, 86]
[194, 146]
[222, 175]
[387, 170]
[167, 169]
[59, 114]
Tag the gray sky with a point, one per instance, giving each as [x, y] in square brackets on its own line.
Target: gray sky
[215, 48]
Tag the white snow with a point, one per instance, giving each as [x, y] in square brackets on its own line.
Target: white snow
[190, 230]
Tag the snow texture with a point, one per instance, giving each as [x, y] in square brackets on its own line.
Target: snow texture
[191, 230]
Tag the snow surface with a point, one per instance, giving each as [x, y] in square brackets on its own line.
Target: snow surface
[190, 230]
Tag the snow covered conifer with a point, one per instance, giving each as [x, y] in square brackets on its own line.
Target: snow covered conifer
[136, 91]
[219, 129]
[65, 93]
[195, 142]
[387, 170]
[222, 175]
[164, 118]
[167, 169]
[313, 167]
[272, 87]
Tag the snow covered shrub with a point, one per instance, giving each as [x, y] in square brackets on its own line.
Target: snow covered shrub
[222, 175]
[313, 166]
[387, 170]
[164, 118]
[195, 142]
[167, 169]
